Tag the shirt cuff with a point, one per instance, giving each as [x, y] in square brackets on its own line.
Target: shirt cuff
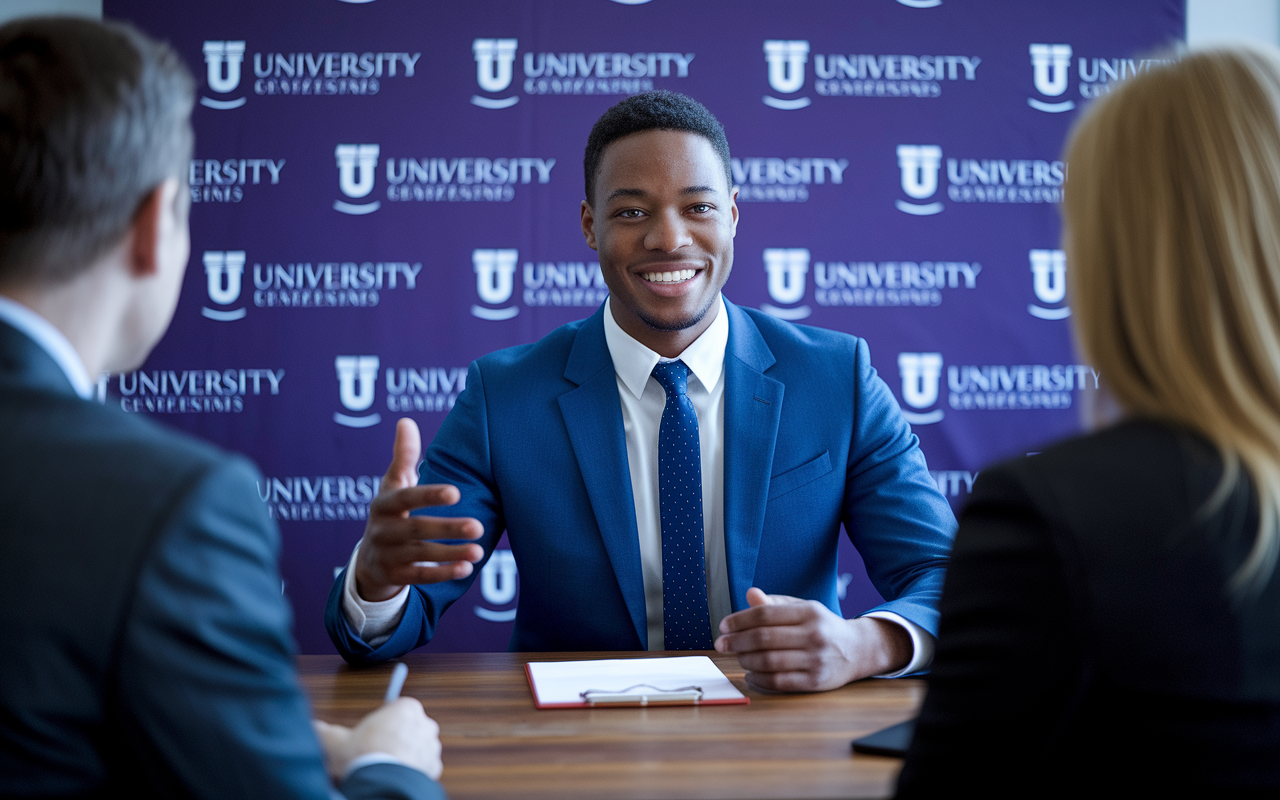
[372, 622]
[922, 644]
[368, 760]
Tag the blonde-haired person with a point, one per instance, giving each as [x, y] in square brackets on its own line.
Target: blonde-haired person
[1111, 617]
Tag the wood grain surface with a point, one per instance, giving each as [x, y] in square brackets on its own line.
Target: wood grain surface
[497, 745]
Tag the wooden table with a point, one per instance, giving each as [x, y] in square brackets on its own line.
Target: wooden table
[497, 745]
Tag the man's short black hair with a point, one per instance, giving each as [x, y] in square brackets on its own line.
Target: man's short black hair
[652, 111]
[93, 116]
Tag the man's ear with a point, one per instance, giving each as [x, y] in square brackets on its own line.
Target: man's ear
[589, 225]
[733, 209]
[144, 233]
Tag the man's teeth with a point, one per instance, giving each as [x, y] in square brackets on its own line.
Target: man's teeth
[669, 277]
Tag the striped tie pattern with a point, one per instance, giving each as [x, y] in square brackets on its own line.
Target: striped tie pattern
[685, 619]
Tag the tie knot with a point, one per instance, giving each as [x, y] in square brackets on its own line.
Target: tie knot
[674, 377]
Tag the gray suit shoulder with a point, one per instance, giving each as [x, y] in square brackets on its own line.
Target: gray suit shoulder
[132, 474]
[142, 452]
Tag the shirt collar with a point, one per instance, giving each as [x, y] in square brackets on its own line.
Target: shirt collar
[634, 363]
[51, 340]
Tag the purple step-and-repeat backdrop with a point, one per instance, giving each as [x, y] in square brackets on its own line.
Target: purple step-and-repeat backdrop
[385, 190]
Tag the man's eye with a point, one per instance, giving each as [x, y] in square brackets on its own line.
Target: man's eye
[630, 213]
[701, 208]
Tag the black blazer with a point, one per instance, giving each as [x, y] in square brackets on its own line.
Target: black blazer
[1089, 642]
[146, 643]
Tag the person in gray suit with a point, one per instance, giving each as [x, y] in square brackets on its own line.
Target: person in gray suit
[147, 646]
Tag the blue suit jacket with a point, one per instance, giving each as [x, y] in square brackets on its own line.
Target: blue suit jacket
[147, 645]
[813, 439]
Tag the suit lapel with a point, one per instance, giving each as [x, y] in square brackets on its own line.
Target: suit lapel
[752, 411]
[593, 416]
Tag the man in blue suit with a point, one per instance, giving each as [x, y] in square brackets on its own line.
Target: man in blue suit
[147, 643]
[670, 469]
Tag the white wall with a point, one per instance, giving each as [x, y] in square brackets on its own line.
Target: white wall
[1212, 22]
[11, 9]
[1208, 21]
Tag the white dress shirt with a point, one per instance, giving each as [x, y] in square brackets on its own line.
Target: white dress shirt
[643, 399]
[51, 340]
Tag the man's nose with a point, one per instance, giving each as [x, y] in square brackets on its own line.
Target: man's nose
[668, 233]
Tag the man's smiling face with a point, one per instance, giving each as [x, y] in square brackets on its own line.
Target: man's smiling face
[663, 223]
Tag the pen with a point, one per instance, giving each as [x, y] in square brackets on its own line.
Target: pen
[397, 681]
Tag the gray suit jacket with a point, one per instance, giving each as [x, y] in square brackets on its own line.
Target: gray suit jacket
[147, 646]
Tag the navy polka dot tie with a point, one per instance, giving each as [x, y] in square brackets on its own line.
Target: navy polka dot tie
[686, 623]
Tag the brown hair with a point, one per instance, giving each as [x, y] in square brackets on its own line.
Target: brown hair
[93, 116]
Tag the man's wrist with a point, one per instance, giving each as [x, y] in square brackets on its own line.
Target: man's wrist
[896, 645]
[921, 648]
[378, 594]
[369, 759]
[879, 647]
[372, 621]
[364, 588]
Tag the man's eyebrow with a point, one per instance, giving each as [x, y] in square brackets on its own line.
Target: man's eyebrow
[642, 193]
[625, 193]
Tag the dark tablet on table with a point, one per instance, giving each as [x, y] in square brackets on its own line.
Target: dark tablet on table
[891, 741]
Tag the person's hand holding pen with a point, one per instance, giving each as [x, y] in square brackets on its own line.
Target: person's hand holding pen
[399, 731]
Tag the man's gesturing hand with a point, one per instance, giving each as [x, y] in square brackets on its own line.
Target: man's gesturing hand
[395, 545]
[792, 645]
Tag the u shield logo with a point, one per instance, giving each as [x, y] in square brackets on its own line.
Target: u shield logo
[921, 376]
[224, 271]
[498, 586]
[920, 165]
[786, 268]
[495, 60]
[357, 380]
[223, 61]
[495, 282]
[786, 60]
[1049, 279]
[1051, 66]
[357, 167]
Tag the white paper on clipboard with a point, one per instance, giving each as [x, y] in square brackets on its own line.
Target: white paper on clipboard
[560, 684]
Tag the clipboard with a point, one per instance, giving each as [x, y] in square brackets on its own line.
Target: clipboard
[630, 682]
